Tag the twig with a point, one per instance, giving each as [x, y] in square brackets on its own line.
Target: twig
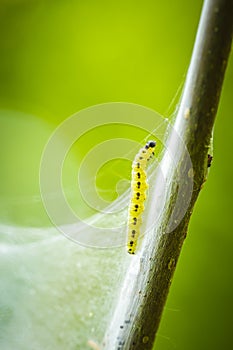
[147, 281]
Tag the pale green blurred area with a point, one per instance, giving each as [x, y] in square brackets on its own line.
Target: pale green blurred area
[56, 58]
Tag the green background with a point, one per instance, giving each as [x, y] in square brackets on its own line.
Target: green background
[56, 58]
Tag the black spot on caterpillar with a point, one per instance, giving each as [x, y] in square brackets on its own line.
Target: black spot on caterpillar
[138, 194]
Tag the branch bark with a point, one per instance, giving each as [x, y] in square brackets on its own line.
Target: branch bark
[144, 292]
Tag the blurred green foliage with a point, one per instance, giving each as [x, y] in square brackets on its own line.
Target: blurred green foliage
[58, 57]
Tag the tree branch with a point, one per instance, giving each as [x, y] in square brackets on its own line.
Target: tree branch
[148, 278]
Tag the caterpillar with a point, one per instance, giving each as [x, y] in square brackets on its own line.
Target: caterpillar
[138, 194]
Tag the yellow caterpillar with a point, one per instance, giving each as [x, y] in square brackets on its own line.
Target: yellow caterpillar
[138, 194]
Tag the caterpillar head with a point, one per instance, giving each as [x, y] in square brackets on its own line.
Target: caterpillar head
[150, 144]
